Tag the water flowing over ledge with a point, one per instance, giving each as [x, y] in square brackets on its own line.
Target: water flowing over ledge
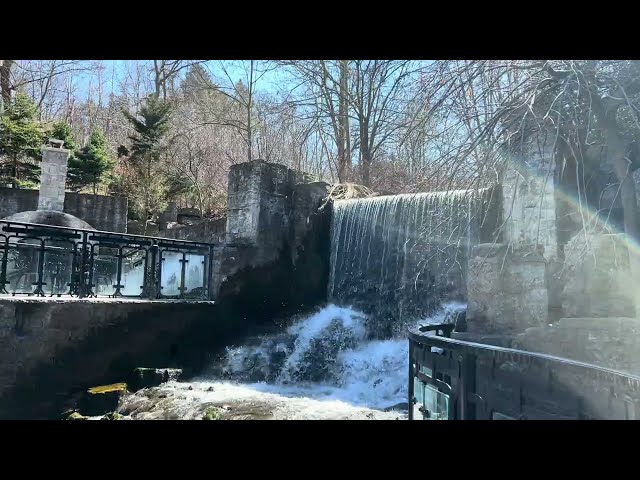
[399, 257]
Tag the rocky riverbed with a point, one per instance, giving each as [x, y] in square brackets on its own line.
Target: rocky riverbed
[229, 401]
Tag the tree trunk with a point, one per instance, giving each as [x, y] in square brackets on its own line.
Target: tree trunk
[157, 78]
[616, 156]
[14, 182]
[249, 106]
[365, 153]
[5, 83]
[344, 154]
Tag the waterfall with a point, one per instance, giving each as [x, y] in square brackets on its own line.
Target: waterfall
[326, 355]
[398, 257]
[395, 261]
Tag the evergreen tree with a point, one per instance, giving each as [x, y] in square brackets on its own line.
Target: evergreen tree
[91, 165]
[21, 136]
[62, 131]
[150, 126]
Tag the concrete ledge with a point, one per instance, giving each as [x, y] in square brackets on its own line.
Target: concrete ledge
[51, 347]
[101, 300]
[612, 342]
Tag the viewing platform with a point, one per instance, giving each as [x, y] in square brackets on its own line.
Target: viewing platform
[45, 261]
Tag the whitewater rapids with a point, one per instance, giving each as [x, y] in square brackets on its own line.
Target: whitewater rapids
[324, 366]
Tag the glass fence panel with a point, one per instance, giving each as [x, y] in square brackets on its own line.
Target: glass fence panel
[58, 267]
[52, 260]
[194, 276]
[22, 267]
[133, 266]
[171, 274]
[105, 270]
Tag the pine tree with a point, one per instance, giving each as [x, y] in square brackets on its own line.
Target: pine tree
[91, 165]
[62, 131]
[150, 195]
[21, 136]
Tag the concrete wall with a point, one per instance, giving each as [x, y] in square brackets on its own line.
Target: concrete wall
[596, 277]
[100, 211]
[506, 290]
[612, 342]
[51, 348]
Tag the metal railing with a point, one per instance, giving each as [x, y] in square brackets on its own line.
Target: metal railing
[46, 260]
[452, 379]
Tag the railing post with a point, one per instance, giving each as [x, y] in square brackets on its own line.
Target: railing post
[40, 282]
[3, 272]
[118, 285]
[153, 282]
[467, 410]
[183, 267]
[411, 385]
[82, 287]
[212, 285]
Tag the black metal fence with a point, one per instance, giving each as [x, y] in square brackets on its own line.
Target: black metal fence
[451, 379]
[46, 260]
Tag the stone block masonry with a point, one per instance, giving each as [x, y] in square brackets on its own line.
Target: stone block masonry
[53, 178]
[506, 289]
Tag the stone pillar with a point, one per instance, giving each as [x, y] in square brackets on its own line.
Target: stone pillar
[53, 178]
[258, 203]
[529, 202]
[512, 285]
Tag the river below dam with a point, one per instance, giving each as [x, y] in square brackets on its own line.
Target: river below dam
[323, 366]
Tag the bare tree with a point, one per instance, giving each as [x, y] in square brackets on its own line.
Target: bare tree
[5, 83]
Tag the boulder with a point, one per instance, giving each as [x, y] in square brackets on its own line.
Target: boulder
[76, 416]
[112, 416]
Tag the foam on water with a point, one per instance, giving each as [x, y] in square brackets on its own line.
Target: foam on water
[329, 356]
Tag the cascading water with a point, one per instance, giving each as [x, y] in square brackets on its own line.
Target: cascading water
[395, 261]
[399, 257]
[327, 356]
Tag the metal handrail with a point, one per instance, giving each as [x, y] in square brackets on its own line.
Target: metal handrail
[83, 249]
[483, 381]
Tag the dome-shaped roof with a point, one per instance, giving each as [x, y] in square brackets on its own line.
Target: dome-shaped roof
[46, 217]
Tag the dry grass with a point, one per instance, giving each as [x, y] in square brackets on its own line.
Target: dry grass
[346, 191]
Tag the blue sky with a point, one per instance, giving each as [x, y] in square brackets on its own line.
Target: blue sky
[271, 82]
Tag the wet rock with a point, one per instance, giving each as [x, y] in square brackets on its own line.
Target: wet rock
[152, 377]
[318, 359]
[76, 416]
[104, 398]
[211, 413]
[249, 411]
[112, 416]
[398, 407]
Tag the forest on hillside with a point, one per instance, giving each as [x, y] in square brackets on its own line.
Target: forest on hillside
[168, 130]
